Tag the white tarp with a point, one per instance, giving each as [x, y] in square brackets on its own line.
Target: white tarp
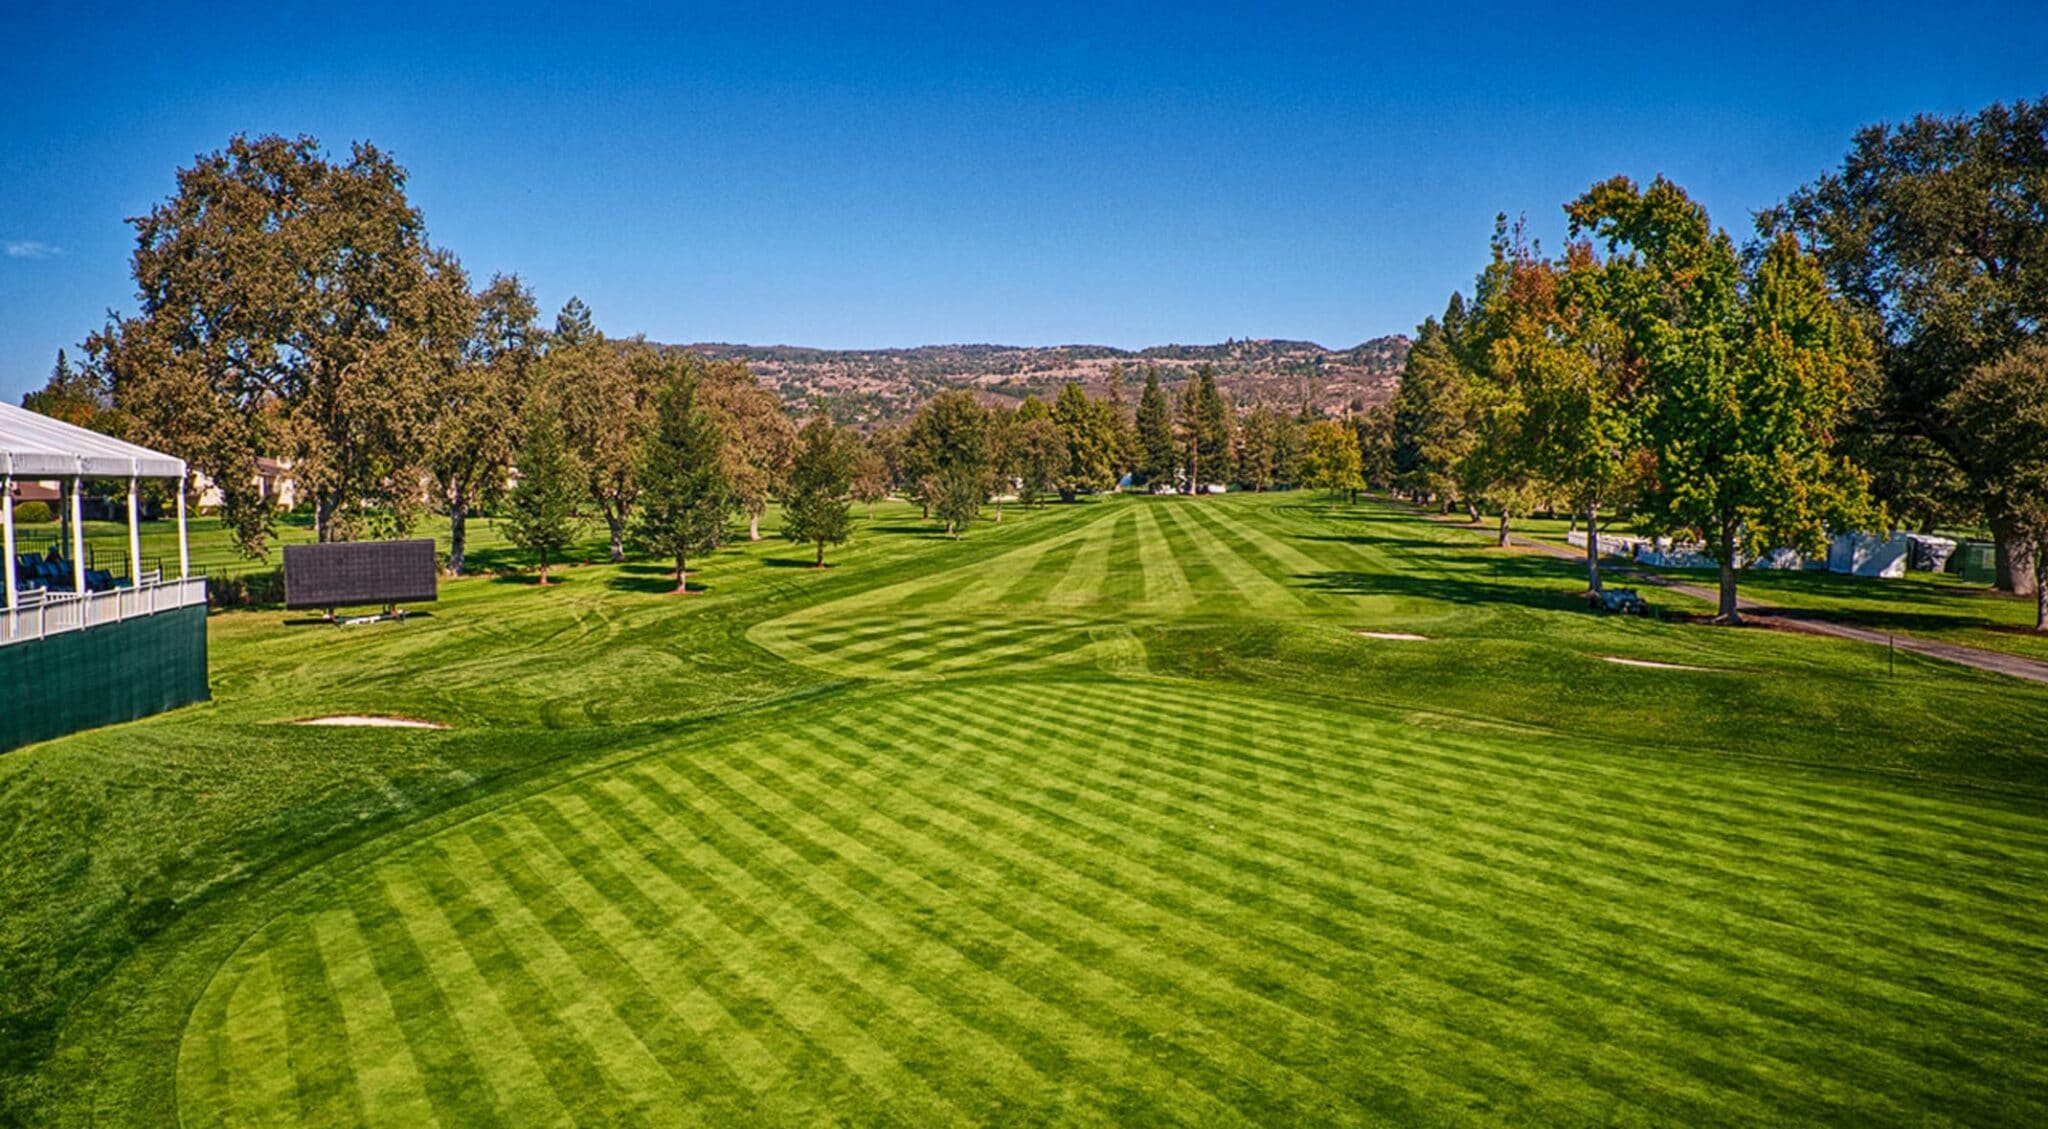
[35, 446]
[1869, 554]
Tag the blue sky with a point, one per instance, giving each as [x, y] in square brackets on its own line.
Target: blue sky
[874, 175]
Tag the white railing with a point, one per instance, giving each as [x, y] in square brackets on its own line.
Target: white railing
[42, 614]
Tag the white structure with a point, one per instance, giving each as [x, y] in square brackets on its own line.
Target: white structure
[34, 446]
[1869, 554]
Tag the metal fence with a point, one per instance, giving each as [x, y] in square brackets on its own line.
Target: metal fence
[43, 614]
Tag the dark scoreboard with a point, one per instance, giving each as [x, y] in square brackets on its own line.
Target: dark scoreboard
[343, 574]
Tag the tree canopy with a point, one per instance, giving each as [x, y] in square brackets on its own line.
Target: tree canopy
[291, 306]
[1750, 373]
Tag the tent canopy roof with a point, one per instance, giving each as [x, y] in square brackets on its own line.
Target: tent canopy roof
[36, 446]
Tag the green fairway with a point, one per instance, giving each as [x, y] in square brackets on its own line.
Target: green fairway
[1107, 813]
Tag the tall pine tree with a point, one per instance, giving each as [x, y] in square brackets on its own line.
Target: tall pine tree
[684, 496]
[1156, 456]
[540, 514]
[819, 505]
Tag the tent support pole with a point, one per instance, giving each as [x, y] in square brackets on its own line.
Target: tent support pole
[134, 531]
[184, 549]
[7, 520]
[77, 537]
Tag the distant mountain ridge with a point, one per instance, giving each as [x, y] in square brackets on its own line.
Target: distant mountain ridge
[870, 386]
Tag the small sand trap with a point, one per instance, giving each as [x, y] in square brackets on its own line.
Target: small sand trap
[1403, 636]
[374, 722]
[1653, 665]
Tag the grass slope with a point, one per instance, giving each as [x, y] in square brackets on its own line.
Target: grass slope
[1107, 808]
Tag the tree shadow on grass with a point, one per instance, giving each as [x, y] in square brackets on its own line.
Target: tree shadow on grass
[1382, 540]
[791, 562]
[1472, 584]
[558, 575]
[1903, 622]
[927, 532]
[650, 578]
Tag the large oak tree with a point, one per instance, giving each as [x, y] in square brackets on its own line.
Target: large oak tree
[290, 306]
[1937, 230]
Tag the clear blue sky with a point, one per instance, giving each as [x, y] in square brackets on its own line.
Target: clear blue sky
[880, 175]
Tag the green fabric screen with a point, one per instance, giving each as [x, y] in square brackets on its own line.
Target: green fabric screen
[102, 675]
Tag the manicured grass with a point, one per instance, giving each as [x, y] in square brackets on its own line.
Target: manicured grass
[1107, 813]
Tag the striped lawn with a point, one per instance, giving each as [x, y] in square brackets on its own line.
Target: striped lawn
[1145, 901]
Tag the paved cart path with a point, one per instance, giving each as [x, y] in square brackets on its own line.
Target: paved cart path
[1998, 662]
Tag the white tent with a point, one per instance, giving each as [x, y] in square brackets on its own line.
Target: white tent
[34, 446]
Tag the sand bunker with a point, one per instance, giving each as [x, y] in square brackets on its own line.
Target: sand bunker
[1653, 665]
[1404, 636]
[377, 722]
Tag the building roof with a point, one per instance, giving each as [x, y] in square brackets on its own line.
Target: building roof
[26, 490]
[35, 446]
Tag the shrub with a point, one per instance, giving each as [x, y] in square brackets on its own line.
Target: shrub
[246, 590]
[33, 513]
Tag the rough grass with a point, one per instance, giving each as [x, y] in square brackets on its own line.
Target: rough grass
[1105, 811]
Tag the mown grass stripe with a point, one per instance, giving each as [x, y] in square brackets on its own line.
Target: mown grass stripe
[1729, 799]
[992, 580]
[998, 903]
[1186, 891]
[314, 1029]
[1120, 937]
[739, 1051]
[632, 1072]
[1548, 836]
[1088, 572]
[880, 1074]
[1257, 592]
[262, 1085]
[1129, 804]
[436, 1044]
[204, 1081]
[550, 886]
[1744, 819]
[385, 1074]
[1653, 925]
[519, 1086]
[1275, 559]
[1166, 586]
[537, 999]
[923, 1028]
[1044, 939]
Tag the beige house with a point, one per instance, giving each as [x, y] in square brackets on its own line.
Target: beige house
[273, 480]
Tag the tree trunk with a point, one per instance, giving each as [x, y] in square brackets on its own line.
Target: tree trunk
[1503, 543]
[682, 577]
[1067, 494]
[543, 569]
[2041, 586]
[820, 562]
[1592, 547]
[1472, 510]
[458, 530]
[1728, 613]
[753, 525]
[2016, 553]
[616, 524]
[323, 518]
